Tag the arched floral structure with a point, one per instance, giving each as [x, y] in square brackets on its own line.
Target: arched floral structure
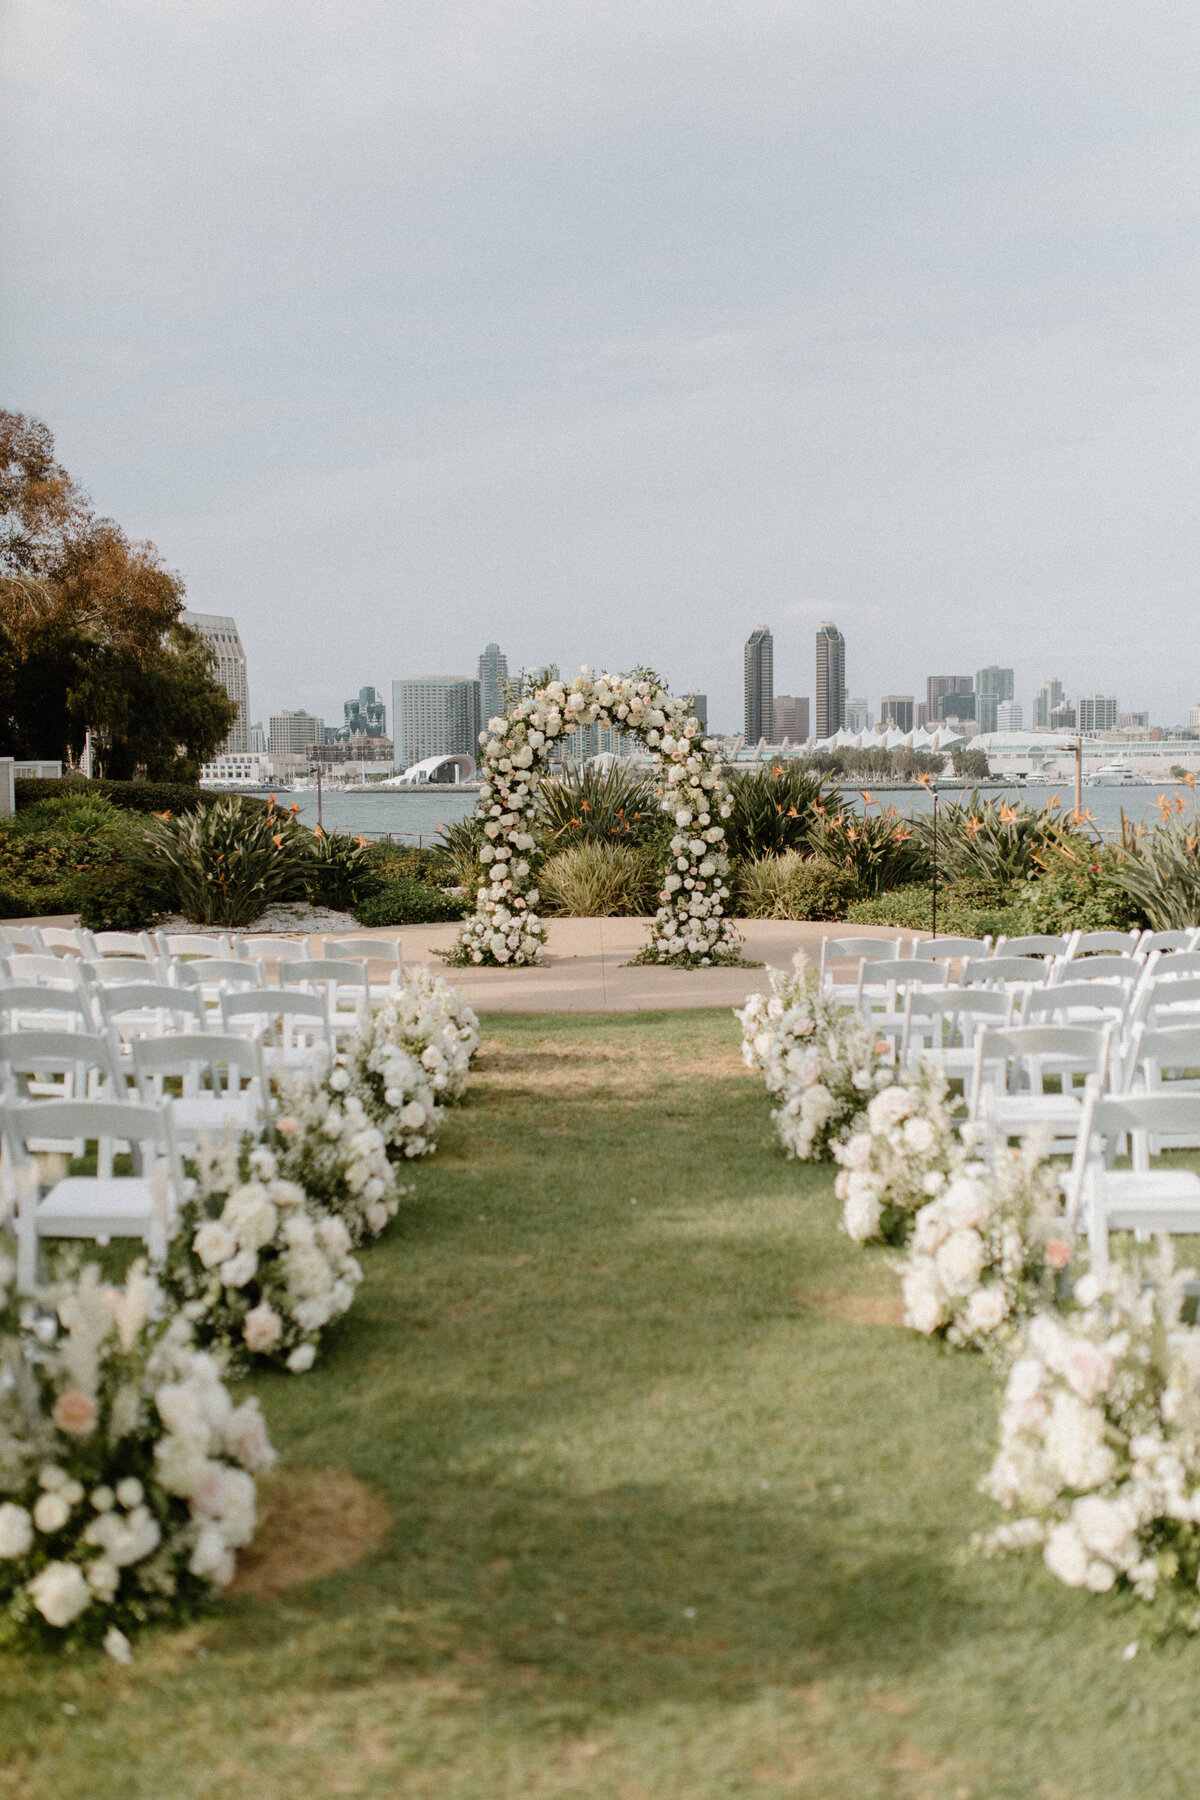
[692, 927]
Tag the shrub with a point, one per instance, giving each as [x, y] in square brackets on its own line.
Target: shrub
[793, 886]
[877, 850]
[774, 810]
[410, 862]
[617, 805]
[1072, 897]
[130, 796]
[121, 897]
[594, 881]
[457, 853]
[1157, 872]
[989, 840]
[965, 909]
[338, 870]
[407, 902]
[226, 865]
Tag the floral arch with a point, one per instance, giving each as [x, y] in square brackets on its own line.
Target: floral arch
[692, 927]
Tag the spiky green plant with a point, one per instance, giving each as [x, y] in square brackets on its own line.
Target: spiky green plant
[617, 805]
[793, 886]
[990, 841]
[338, 868]
[774, 808]
[1158, 868]
[225, 866]
[876, 849]
[458, 853]
[598, 880]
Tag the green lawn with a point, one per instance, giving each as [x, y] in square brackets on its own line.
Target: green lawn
[677, 1513]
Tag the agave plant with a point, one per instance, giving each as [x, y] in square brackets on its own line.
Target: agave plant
[774, 808]
[617, 805]
[1158, 868]
[877, 849]
[226, 865]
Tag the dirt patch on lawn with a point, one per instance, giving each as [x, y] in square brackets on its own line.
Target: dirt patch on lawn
[553, 1065]
[859, 1309]
[311, 1522]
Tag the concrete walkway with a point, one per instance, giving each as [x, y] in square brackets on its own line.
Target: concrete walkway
[586, 973]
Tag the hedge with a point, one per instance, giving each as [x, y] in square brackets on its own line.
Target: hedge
[132, 796]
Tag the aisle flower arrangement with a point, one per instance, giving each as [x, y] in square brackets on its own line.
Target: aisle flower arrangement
[412, 1056]
[329, 1147]
[256, 1268]
[1099, 1453]
[126, 1471]
[898, 1156]
[692, 927]
[988, 1251]
[819, 1059]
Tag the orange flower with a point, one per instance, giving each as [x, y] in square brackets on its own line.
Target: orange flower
[792, 813]
[294, 807]
[1008, 814]
[777, 771]
[867, 797]
[277, 839]
[317, 832]
[974, 827]
[163, 815]
[924, 780]
[364, 842]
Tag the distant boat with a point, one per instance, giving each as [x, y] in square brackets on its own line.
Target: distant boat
[1118, 773]
[1039, 778]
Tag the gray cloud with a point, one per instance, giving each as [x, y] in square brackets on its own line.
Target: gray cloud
[612, 329]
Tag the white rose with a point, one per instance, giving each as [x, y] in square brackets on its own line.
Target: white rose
[130, 1491]
[965, 1203]
[889, 1107]
[263, 1328]
[1075, 1443]
[302, 1358]
[51, 1512]
[1065, 1556]
[213, 1243]
[960, 1261]
[16, 1530]
[860, 1216]
[239, 1269]
[1105, 1527]
[924, 1297]
[986, 1309]
[103, 1577]
[919, 1136]
[60, 1593]
[1087, 1369]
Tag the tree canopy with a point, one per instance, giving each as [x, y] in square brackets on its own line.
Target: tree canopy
[90, 631]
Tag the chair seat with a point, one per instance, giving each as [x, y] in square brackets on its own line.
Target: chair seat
[297, 1056]
[1040, 1109]
[214, 1112]
[1157, 1200]
[99, 1207]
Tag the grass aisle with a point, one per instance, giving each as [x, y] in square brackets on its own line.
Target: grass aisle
[676, 1512]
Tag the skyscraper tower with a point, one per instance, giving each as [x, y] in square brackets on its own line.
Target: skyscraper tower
[1047, 699]
[493, 674]
[220, 633]
[992, 686]
[831, 680]
[760, 685]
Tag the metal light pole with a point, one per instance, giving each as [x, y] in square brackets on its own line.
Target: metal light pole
[934, 792]
[1077, 746]
[320, 818]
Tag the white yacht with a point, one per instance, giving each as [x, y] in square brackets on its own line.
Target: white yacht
[1118, 773]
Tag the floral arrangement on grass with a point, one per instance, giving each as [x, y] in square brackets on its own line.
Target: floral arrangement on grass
[692, 927]
[412, 1050]
[331, 1150]
[126, 1471]
[430, 1019]
[897, 1158]
[822, 1061]
[1099, 1452]
[256, 1268]
[988, 1251]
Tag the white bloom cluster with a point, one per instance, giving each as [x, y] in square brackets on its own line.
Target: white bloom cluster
[107, 1389]
[819, 1059]
[988, 1250]
[692, 924]
[255, 1266]
[330, 1147]
[898, 1157]
[412, 1057]
[1099, 1449]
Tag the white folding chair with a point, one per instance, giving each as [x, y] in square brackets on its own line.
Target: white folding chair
[851, 950]
[292, 1027]
[270, 949]
[28, 969]
[1009, 1096]
[371, 950]
[1165, 1001]
[149, 1009]
[46, 1009]
[1138, 1199]
[208, 1105]
[1093, 943]
[192, 943]
[1036, 943]
[21, 938]
[123, 943]
[950, 949]
[101, 1206]
[213, 976]
[945, 1024]
[1168, 940]
[1164, 1062]
[344, 984]
[60, 1065]
[1001, 971]
[882, 986]
[1172, 965]
[74, 942]
[1078, 1003]
[113, 971]
[1126, 969]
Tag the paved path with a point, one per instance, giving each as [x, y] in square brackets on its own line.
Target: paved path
[586, 969]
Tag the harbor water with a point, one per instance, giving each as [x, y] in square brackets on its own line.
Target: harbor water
[413, 817]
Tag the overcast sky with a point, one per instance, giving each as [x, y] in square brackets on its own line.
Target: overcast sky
[609, 329]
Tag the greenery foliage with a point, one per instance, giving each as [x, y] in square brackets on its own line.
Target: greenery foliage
[876, 850]
[408, 902]
[989, 840]
[121, 897]
[127, 796]
[599, 880]
[584, 805]
[900, 764]
[793, 886]
[458, 853]
[774, 808]
[1156, 870]
[225, 866]
[965, 909]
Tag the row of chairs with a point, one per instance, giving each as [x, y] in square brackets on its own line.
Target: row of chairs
[165, 946]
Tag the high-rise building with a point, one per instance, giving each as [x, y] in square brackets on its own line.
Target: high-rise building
[760, 685]
[1009, 716]
[293, 732]
[700, 711]
[493, 681]
[790, 714]
[1096, 712]
[957, 705]
[938, 685]
[1194, 719]
[220, 633]
[365, 717]
[921, 715]
[1048, 697]
[992, 687]
[258, 741]
[858, 716]
[896, 712]
[436, 715]
[1063, 717]
[831, 680]
[1133, 721]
